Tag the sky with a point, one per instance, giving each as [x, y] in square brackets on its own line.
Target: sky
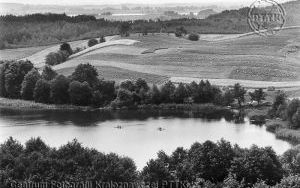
[99, 2]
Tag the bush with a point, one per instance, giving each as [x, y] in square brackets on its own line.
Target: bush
[80, 93]
[55, 58]
[92, 42]
[102, 39]
[42, 91]
[193, 37]
[59, 90]
[28, 84]
[66, 47]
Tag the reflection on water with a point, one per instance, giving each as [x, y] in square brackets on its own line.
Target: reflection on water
[137, 134]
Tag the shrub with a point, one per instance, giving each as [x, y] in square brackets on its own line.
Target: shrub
[28, 84]
[102, 39]
[59, 90]
[193, 37]
[92, 42]
[42, 91]
[55, 58]
[80, 93]
[48, 73]
[66, 47]
[85, 73]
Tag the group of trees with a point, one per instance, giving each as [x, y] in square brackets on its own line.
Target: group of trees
[209, 165]
[55, 58]
[286, 109]
[19, 79]
[93, 42]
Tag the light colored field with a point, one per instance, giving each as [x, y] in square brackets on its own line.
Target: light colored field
[19, 53]
[250, 59]
[247, 57]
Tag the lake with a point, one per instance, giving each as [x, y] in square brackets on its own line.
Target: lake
[136, 134]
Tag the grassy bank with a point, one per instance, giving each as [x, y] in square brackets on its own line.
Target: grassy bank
[31, 105]
[282, 131]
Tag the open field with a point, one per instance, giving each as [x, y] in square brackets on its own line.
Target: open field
[250, 59]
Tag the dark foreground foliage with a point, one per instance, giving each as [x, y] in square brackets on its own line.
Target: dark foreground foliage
[208, 164]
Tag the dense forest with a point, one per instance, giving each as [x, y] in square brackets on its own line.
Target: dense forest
[43, 29]
[207, 165]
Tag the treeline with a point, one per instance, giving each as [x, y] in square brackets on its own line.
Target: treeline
[20, 80]
[47, 18]
[208, 165]
[40, 29]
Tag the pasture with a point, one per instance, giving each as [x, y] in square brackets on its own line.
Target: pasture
[255, 59]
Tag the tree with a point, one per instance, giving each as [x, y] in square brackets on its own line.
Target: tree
[167, 92]
[36, 145]
[239, 93]
[85, 73]
[156, 170]
[48, 73]
[296, 118]
[92, 42]
[104, 92]
[14, 75]
[291, 181]
[124, 98]
[211, 161]
[41, 91]
[257, 163]
[193, 37]
[180, 31]
[80, 93]
[228, 98]
[291, 113]
[3, 67]
[141, 84]
[28, 84]
[55, 58]
[155, 95]
[128, 85]
[102, 39]
[124, 29]
[59, 90]
[280, 99]
[180, 93]
[258, 95]
[66, 47]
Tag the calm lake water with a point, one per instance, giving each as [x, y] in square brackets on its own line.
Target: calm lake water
[135, 134]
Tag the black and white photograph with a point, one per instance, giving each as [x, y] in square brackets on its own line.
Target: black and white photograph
[149, 94]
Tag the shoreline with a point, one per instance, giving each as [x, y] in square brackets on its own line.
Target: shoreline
[257, 115]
